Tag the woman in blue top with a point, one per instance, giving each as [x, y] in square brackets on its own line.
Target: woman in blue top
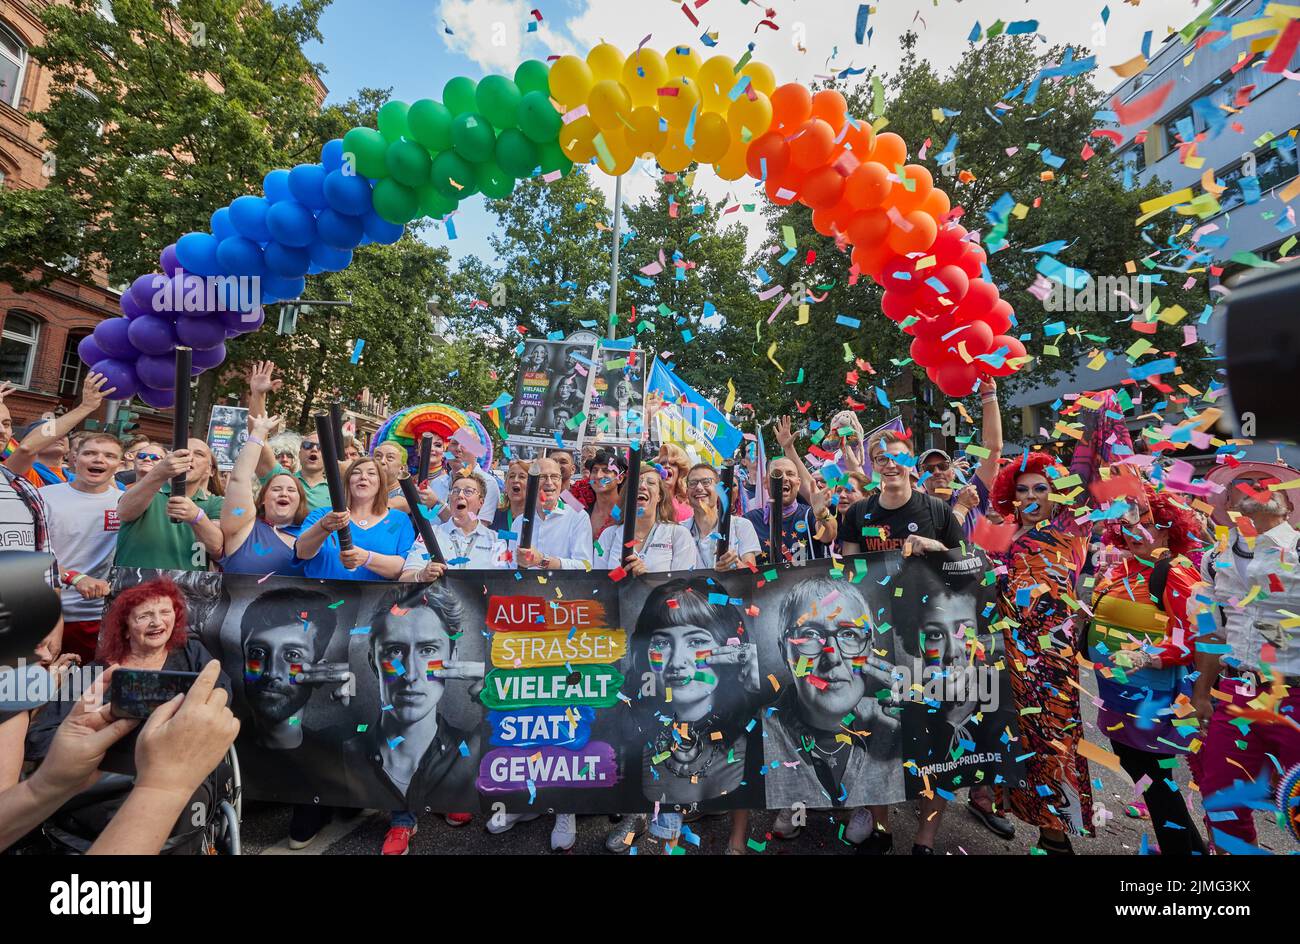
[381, 536]
[260, 533]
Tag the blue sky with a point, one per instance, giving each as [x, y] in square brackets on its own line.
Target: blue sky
[402, 44]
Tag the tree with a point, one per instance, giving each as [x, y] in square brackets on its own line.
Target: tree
[1083, 202]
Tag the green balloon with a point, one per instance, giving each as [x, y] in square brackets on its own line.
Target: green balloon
[458, 95]
[538, 118]
[493, 181]
[449, 166]
[498, 100]
[472, 137]
[395, 203]
[367, 147]
[515, 153]
[533, 75]
[392, 121]
[433, 203]
[430, 124]
[551, 157]
[409, 163]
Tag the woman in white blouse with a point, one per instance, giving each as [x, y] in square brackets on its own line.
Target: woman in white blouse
[706, 506]
[660, 544]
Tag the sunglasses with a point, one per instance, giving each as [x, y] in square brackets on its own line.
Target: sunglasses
[938, 467]
[148, 456]
[309, 446]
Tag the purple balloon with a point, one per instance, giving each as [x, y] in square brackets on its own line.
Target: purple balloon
[90, 352]
[198, 333]
[158, 399]
[144, 288]
[243, 321]
[167, 259]
[207, 358]
[130, 307]
[119, 374]
[157, 371]
[113, 338]
[152, 335]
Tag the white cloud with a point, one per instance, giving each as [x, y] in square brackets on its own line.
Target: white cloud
[494, 33]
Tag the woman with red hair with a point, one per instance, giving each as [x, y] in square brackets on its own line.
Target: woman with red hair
[1141, 644]
[1037, 597]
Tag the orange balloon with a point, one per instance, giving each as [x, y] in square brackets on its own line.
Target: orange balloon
[872, 260]
[868, 186]
[791, 107]
[916, 239]
[923, 184]
[936, 204]
[859, 140]
[776, 185]
[812, 144]
[771, 147]
[889, 149]
[870, 228]
[824, 221]
[830, 106]
[822, 188]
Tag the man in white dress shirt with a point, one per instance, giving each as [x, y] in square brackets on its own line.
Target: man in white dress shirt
[561, 535]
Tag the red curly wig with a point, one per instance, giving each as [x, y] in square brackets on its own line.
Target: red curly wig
[113, 642]
[1174, 520]
[1003, 495]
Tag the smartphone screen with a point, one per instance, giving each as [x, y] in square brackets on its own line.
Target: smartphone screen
[137, 692]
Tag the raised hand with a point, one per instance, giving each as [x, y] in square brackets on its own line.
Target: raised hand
[260, 378]
[784, 434]
[261, 426]
[92, 391]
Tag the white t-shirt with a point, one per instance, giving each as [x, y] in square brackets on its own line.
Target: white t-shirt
[479, 550]
[667, 547]
[83, 535]
[17, 529]
[743, 540]
[442, 484]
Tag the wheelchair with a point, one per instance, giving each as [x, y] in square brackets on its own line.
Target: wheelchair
[209, 825]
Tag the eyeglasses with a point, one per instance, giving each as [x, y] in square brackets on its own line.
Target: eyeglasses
[310, 446]
[1042, 488]
[700, 483]
[885, 458]
[850, 640]
[549, 477]
[466, 491]
[775, 474]
[938, 467]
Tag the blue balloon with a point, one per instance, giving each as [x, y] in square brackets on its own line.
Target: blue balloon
[201, 332]
[382, 231]
[152, 335]
[314, 269]
[282, 288]
[158, 399]
[288, 261]
[240, 256]
[276, 186]
[331, 155]
[197, 254]
[307, 183]
[330, 260]
[291, 223]
[338, 231]
[221, 226]
[248, 215]
[348, 194]
[119, 373]
[168, 261]
[157, 371]
[112, 338]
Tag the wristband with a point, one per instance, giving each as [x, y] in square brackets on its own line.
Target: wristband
[77, 579]
[254, 439]
[369, 554]
[70, 578]
[199, 517]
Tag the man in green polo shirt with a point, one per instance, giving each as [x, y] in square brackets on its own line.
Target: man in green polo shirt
[148, 536]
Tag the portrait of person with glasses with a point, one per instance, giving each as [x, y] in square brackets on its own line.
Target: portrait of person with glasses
[829, 741]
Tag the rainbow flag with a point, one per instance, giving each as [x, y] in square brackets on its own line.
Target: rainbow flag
[252, 670]
[702, 658]
[9, 448]
[391, 670]
[295, 670]
[434, 667]
[656, 660]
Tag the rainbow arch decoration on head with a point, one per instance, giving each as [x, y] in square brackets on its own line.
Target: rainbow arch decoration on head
[408, 425]
[605, 109]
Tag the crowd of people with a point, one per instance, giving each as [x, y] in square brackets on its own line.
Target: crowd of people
[1104, 563]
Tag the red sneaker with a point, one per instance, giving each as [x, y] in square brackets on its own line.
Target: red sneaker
[398, 840]
[458, 819]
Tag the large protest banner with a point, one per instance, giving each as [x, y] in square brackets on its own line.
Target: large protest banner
[569, 691]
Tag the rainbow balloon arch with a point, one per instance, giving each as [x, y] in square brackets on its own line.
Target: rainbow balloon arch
[607, 110]
[408, 425]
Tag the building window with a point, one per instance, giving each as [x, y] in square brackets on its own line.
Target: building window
[71, 372]
[13, 58]
[1275, 164]
[18, 348]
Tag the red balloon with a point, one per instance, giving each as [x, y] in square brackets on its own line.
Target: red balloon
[948, 245]
[824, 221]
[822, 188]
[900, 265]
[931, 326]
[955, 378]
[1014, 349]
[999, 318]
[978, 338]
[774, 185]
[896, 307]
[871, 260]
[979, 300]
[930, 300]
[928, 352]
[972, 260]
[772, 148]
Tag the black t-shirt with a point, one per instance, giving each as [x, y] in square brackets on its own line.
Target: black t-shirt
[797, 528]
[922, 515]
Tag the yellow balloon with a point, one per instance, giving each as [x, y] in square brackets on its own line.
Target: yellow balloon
[606, 62]
[644, 136]
[675, 155]
[754, 116]
[683, 61]
[616, 148]
[643, 73]
[761, 77]
[607, 102]
[712, 138]
[571, 81]
[733, 166]
[716, 78]
[677, 108]
[576, 139]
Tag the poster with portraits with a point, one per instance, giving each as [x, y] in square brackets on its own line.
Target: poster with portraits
[575, 692]
[552, 394]
[227, 433]
[616, 413]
